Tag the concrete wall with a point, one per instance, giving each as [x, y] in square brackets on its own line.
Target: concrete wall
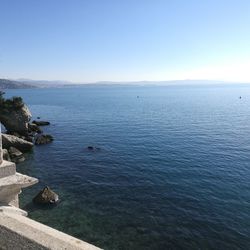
[18, 232]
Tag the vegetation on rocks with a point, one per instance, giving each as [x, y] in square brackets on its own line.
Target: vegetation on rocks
[14, 103]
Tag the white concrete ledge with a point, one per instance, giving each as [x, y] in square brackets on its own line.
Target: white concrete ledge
[13, 209]
[11, 186]
[18, 180]
[18, 233]
[7, 168]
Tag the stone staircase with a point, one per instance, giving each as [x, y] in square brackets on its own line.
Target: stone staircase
[11, 184]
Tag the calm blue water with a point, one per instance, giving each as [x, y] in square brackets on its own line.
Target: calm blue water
[173, 171]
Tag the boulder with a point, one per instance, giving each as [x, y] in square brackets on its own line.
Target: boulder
[16, 134]
[41, 123]
[16, 120]
[16, 155]
[28, 137]
[43, 139]
[13, 141]
[6, 155]
[46, 196]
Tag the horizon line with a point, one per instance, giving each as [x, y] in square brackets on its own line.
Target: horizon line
[129, 81]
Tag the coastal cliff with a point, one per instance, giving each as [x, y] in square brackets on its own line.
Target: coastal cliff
[15, 116]
[21, 134]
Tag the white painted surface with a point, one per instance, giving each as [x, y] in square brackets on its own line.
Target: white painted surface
[19, 232]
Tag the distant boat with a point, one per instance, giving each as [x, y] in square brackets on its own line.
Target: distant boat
[240, 97]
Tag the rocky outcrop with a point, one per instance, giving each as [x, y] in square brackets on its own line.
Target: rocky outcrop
[46, 196]
[16, 155]
[20, 133]
[28, 137]
[41, 123]
[43, 139]
[16, 120]
[13, 141]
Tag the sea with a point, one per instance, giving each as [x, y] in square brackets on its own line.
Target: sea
[172, 168]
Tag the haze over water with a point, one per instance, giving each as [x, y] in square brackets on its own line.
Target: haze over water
[172, 173]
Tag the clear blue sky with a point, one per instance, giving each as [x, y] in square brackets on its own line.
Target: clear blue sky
[123, 40]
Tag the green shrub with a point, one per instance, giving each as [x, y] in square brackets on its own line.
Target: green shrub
[10, 104]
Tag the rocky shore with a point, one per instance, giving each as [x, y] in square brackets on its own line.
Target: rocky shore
[21, 134]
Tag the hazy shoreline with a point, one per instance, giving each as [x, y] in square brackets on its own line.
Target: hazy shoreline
[26, 84]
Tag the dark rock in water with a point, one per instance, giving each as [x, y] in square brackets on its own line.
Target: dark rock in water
[43, 139]
[41, 123]
[6, 155]
[13, 141]
[33, 128]
[92, 148]
[16, 155]
[46, 196]
[38, 117]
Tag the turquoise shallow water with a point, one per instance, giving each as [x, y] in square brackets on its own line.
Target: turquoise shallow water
[173, 171]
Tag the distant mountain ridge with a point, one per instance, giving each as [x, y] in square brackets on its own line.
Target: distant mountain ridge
[62, 83]
[11, 84]
[28, 83]
[45, 83]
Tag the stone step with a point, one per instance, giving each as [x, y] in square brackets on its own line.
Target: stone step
[11, 186]
[18, 181]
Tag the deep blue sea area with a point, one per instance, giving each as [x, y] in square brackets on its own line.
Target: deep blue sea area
[172, 172]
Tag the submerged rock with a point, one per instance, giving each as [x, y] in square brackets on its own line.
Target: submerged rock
[13, 141]
[41, 123]
[92, 148]
[46, 196]
[43, 139]
[16, 155]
